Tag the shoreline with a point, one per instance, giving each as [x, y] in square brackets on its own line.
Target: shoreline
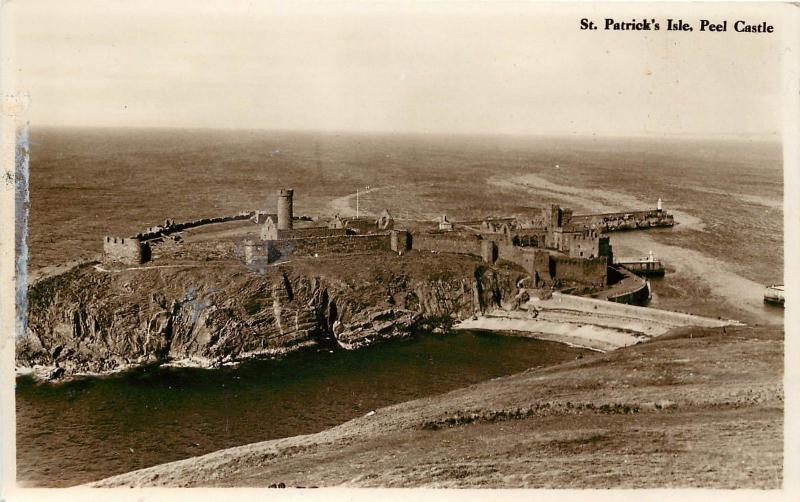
[38, 372]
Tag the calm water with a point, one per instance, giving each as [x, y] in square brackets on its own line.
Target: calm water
[96, 427]
[726, 195]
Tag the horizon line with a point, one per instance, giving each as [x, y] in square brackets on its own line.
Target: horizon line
[763, 136]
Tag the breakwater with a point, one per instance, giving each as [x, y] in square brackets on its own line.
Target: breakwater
[626, 220]
[627, 288]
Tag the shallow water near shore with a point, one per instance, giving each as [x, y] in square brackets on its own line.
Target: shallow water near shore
[88, 429]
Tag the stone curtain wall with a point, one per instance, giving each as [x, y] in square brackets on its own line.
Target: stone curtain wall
[135, 250]
[446, 242]
[197, 251]
[525, 259]
[328, 246]
[545, 268]
[536, 262]
[161, 231]
[539, 264]
[581, 270]
[305, 233]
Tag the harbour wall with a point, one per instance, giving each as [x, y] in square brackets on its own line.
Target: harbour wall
[627, 220]
[570, 302]
[627, 288]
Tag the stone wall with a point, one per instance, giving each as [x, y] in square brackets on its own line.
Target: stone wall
[198, 251]
[307, 233]
[593, 272]
[361, 226]
[582, 245]
[536, 262]
[327, 246]
[546, 268]
[649, 314]
[400, 241]
[260, 217]
[639, 296]
[489, 251]
[530, 237]
[446, 242]
[171, 227]
[127, 250]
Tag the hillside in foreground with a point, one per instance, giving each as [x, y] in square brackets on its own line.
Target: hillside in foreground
[695, 408]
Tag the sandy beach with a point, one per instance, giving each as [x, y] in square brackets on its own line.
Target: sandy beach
[588, 323]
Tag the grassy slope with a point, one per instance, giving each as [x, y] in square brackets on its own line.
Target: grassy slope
[705, 410]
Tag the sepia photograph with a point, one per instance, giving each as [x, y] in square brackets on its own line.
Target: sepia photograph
[395, 244]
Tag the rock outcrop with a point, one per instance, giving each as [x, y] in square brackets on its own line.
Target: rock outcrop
[89, 320]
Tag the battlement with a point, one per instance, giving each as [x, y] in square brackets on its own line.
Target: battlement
[585, 244]
[125, 250]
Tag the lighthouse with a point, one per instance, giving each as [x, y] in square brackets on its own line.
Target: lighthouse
[658, 205]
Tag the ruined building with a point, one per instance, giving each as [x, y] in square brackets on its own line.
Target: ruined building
[125, 250]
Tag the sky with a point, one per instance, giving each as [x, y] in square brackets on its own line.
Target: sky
[434, 67]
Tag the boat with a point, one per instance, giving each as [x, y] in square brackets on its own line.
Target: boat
[774, 294]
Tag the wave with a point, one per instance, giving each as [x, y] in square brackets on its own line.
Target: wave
[758, 200]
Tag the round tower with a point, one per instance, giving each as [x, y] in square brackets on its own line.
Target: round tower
[285, 209]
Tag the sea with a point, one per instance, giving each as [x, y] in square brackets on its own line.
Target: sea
[726, 195]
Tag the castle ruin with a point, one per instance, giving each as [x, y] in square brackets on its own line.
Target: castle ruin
[555, 247]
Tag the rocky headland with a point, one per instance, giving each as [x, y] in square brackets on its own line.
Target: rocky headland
[94, 320]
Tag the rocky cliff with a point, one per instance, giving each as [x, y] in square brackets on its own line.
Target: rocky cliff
[88, 320]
